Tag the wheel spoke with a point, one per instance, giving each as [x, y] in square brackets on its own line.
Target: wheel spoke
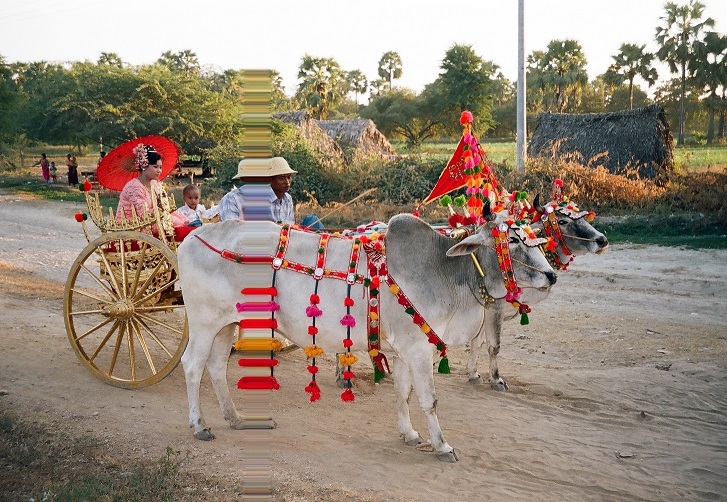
[109, 270]
[142, 342]
[159, 323]
[148, 280]
[156, 308]
[117, 347]
[139, 267]
[154, 337]
[86, 312]
[103, 342]
[122, 252]
[111, 294]
[132, 354]
[99, 325]
[157, 290]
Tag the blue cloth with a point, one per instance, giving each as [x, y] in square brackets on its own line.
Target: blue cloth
[310, 219]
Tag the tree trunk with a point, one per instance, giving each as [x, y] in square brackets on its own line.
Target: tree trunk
[710, 129]
[682, 106]
[631, 94]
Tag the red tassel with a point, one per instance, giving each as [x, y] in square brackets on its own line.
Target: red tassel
[312, 370]
[258, 383]
[347, 395]
[347, 342]
[314, 299]
[347, 375]
[258, 363]
[348, 301]
[417, 319]
[314, 390]
[312, 330]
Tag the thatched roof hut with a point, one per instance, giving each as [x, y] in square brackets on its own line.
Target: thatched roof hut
[359, 138]
[618, 141]
[319, 139]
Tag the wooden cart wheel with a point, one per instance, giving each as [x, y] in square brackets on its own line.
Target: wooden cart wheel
[123, 309]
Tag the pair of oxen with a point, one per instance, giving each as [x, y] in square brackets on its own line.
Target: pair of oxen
[437, 274]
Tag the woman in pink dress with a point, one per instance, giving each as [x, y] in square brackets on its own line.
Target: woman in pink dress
[142, 191]
[44, 165]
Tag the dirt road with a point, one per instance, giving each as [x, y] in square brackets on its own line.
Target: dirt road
[617, 388]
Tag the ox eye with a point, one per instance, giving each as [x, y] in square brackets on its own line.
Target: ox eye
[514, 240]
[563, 222]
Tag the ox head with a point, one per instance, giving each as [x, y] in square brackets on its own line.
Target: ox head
[531, 268]
[577, 233]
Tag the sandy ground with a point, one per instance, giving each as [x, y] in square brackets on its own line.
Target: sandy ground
[617, 389]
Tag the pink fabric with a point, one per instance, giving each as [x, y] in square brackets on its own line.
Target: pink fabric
[137, 196]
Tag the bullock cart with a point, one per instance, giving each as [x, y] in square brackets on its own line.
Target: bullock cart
[124, 312]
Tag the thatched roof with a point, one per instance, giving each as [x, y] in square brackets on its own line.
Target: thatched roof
[317, 137]
[359, 138]
[618, 141]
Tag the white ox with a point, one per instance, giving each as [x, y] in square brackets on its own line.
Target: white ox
[437, 276]
[580, 238]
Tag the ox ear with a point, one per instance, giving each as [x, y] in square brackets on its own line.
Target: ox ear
[467, 246]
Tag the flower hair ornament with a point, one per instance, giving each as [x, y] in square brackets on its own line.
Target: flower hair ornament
[142, 156]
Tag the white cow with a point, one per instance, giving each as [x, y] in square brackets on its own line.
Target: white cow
[578, 238]
[437, 276]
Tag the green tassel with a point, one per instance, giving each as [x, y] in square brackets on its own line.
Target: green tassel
[409, 310]
[524, 319]
[443, 366]
[378, 374]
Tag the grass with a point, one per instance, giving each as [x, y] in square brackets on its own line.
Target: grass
[682, 230]
[41, 462]
[692, 158]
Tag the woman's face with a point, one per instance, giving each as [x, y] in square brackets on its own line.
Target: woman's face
[153, 171]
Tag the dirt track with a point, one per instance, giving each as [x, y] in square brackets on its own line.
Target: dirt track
[616, 388]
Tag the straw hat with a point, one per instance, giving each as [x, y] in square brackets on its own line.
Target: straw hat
[262, 168]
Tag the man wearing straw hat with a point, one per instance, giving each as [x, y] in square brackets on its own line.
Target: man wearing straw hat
[263, 194]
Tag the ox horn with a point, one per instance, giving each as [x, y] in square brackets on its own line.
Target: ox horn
[487, 212]
[537, 206]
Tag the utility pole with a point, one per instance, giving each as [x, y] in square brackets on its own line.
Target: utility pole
[521, 118]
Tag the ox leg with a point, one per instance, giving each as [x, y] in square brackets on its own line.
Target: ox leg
[403, 386]
[193, 360]
[493, 330]
[423, 381]
[339, 374]
[475, 346]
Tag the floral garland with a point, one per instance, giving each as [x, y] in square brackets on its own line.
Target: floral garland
[142, 159]
[502, 246]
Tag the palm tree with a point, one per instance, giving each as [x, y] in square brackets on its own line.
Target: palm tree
[562, 70]
[708, 68]
[390, 67]
[676, 37]
[630, 62]
[110, 59]
[357, 82]
[320, 89]
[184, 62]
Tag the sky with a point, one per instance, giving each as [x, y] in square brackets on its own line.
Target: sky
[241, 34]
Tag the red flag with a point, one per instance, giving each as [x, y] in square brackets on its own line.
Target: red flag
[452, 177]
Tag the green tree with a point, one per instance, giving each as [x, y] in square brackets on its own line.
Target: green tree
[390, 67]
[561, 72]
[630, 62]
[184, 62]
[464, 84]
[708, 67]
[377, 87]
[111, 59]
[357, 83]
[401, 113]
[10, 101]
[682, 26]
[321, 85]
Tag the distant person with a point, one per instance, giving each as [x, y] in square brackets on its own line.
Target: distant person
[44, 166]
[53, 173]
[72, 165]
[192, 209]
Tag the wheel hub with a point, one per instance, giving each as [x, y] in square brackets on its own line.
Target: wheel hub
[122, 309]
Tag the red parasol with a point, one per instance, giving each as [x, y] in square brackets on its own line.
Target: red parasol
[117, 168]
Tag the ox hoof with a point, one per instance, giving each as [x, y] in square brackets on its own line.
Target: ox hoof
[344, 384]
[499, 385]
[413, 442]
[204, 435]
[448, 456]
[477, 380]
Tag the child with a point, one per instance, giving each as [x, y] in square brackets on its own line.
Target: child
[192, 209]
[53, 173]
